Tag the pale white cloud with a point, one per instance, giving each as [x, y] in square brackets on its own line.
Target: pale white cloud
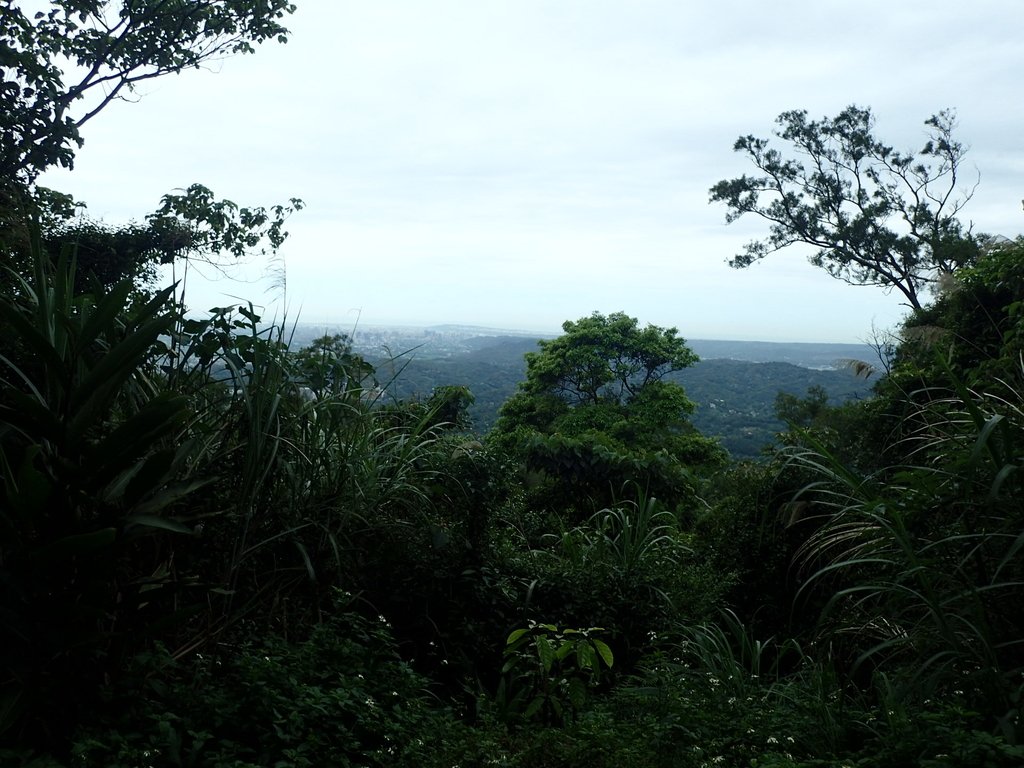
[521, 163]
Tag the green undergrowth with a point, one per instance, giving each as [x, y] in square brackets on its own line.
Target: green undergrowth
[343, 697]
[220, 552]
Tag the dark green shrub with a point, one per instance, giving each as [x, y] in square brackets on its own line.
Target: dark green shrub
[629, 569]
[341, 697]
[749, 533]
[95, 465]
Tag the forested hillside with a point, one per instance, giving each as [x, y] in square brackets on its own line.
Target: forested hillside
[735, 399]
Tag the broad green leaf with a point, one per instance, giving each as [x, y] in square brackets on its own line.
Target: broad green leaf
[545, 652]
[534, 707]
[160, 523]
[585, 656]
[153, 307]
[515, 635]
[564, 649]
[603, 651]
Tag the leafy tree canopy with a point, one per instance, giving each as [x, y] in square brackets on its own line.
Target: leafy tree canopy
[873, 214]
[189, 224]
[62, 66]
[973, 331]
[59, 67]
[595, 413]
[603, 359]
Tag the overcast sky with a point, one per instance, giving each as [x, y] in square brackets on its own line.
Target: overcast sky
[517, 164]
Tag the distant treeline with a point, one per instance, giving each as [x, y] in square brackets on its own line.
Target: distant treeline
[735, 398]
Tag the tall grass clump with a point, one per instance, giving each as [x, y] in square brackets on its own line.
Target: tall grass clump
[97, 466]
[171, 479]
[923, 563]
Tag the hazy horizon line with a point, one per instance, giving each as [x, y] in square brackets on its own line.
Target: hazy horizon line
[511, 331]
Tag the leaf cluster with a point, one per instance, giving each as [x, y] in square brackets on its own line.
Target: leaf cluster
[601, 359]
[548, 671]
[64, 65]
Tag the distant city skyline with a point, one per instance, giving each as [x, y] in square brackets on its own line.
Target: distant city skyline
[519, 164]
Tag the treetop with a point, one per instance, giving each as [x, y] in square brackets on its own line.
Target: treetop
[873, 215]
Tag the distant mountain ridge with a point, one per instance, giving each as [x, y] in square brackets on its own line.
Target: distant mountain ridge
[482, 343]
[806, 354]
[813, 355]
[734, 385]
[479, 330]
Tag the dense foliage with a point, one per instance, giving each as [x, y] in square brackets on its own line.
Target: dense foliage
[193, 512]
[735, 400]
[596, 412]
[218, 550]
